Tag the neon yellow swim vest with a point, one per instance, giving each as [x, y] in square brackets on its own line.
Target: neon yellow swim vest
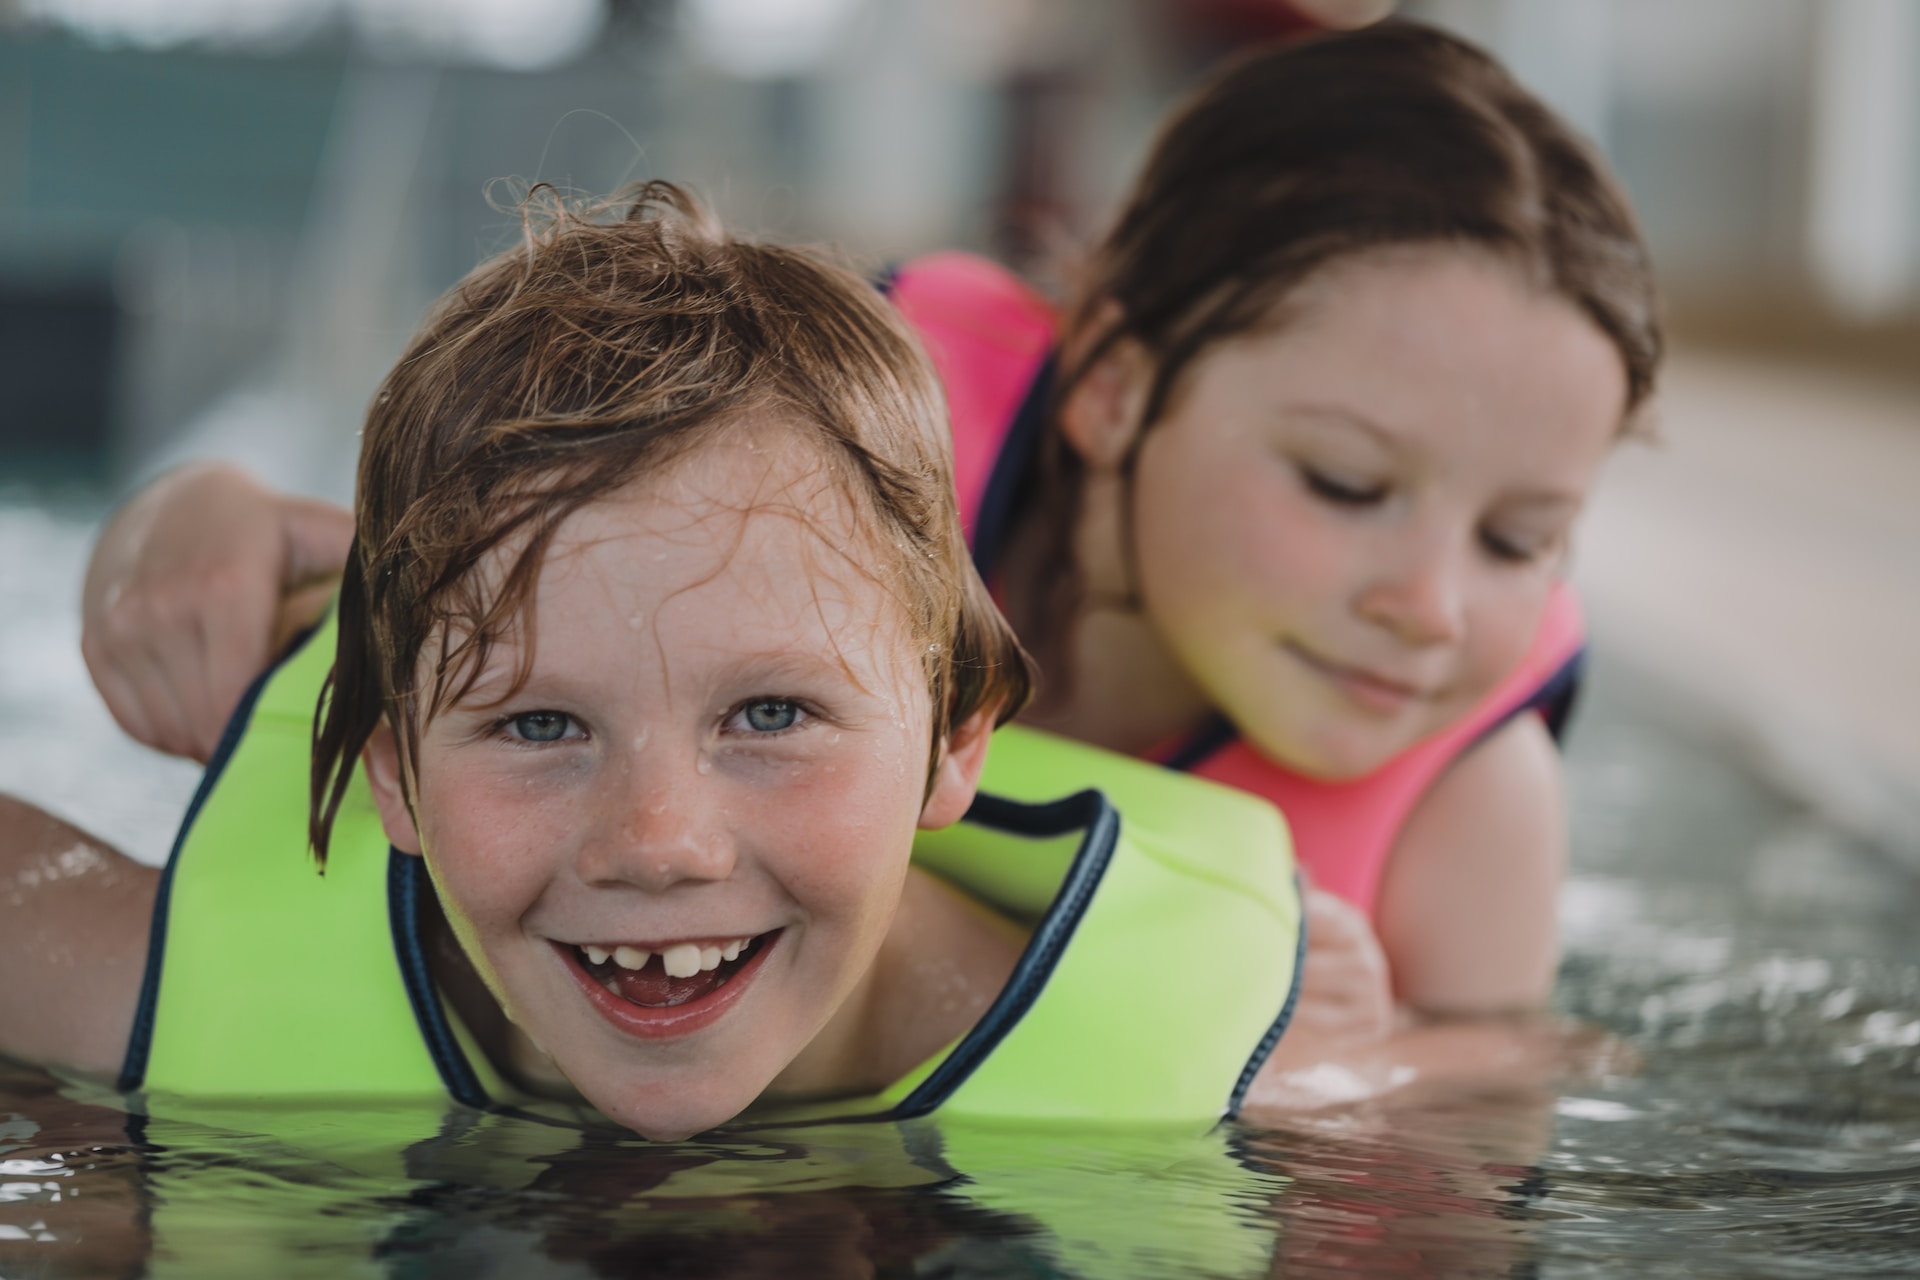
[266, 979]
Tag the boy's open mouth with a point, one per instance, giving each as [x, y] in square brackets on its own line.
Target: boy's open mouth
[674, 975]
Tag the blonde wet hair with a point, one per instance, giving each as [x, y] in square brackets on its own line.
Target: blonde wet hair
[618, 337]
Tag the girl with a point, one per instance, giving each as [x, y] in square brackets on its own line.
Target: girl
[1284, 500]
[658, 641]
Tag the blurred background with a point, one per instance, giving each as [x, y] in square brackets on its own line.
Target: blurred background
[236, 209]
[220, 219]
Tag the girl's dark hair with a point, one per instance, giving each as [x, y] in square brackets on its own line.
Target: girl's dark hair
[1295, 157]
[620, 336]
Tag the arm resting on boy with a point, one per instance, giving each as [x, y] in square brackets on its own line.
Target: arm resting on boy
[193, 587]
[74, 920]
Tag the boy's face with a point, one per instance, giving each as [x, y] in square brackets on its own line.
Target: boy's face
[674, 852]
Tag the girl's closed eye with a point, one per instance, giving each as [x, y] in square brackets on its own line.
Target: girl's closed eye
[1516, 547]
[1342, 490]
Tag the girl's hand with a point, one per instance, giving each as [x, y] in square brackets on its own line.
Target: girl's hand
[1346, 1017]
[1447, 1058]
[1346, 993]
[192, 587]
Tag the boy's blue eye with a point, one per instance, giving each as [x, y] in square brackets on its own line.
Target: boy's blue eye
[771, 715]
[542, 726]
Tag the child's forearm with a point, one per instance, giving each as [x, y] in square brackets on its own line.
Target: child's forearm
[1467, 910]
[1310, 1072]
[193, 587]
[74, 917]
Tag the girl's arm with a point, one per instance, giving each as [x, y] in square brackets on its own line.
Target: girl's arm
[1467, 909]
[1467, 926]
[194, 585]
[74, 919]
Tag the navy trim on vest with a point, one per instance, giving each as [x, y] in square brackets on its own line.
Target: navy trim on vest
[1264, 1049]
[1556, 699]
[1552, 699]
[407, 891]
[133, 1067]
[1209, 738]
[1012, 469]
[1087, 811]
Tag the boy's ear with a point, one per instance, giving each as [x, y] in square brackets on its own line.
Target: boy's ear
[957, 776]
[1101, 414]
[381, 758]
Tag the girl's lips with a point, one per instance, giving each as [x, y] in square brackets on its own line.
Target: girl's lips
[1368, 689]
[661, 1022]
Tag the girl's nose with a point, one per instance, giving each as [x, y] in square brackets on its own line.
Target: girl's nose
[1421, 598]
[665, 829]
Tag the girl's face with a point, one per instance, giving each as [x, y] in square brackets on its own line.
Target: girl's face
[1347, 528]
[674, 852]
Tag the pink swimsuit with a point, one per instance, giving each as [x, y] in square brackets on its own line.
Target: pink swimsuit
[991, 338]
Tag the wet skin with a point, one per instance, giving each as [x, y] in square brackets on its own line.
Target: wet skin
[723, 734]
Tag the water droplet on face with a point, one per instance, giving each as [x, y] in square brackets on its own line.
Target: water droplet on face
[703, 765]
[640, 740]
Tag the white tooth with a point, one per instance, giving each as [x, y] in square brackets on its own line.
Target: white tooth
[613, 985]
[681, 960]
[631, 957]
[709, 959]
[595, 954]
[732, 950]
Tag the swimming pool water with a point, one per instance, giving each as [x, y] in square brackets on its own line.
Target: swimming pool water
[1758, 1113]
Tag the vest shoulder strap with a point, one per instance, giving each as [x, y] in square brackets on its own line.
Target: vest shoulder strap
[1118, 893]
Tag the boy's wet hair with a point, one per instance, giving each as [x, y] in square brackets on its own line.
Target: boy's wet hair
[617, 338]
[1297, 157]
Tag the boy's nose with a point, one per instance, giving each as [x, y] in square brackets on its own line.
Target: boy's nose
[664, 830]
[1421, 597]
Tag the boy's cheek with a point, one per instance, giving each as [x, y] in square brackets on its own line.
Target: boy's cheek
[494, 844]
[839, 836]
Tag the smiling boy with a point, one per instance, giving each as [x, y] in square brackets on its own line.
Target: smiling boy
[657, 645]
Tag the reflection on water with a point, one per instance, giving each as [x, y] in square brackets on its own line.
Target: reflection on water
[1765, 1119]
